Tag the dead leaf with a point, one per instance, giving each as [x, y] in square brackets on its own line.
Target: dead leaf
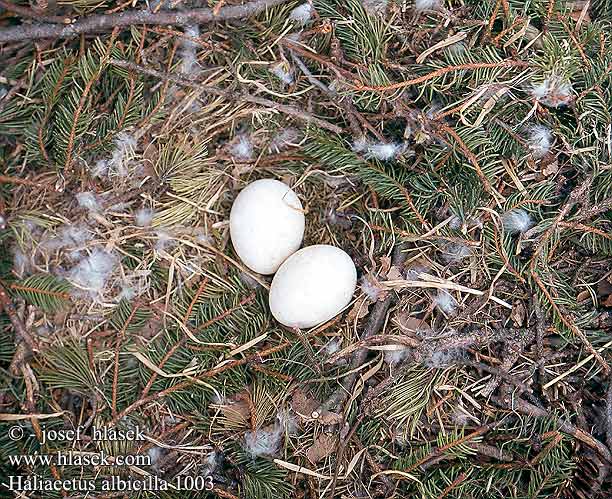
[411, 324]
[385, 264]
[582, 296]
[604, 288]
[518, 313]
[329, 418]
[373, 288]
[359, 310]
[303, 404]
[550, 168]
[236, 410]
[394, 274]
[325, 445]
[608, 301]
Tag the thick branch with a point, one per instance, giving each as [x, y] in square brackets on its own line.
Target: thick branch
[106, 22]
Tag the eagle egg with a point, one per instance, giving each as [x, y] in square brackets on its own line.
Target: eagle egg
[266, 225]
[312, 286]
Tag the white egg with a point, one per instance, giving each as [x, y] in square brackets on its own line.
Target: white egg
[312, 286]
[266, 225]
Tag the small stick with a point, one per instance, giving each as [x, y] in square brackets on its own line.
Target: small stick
[524, 407]
[440, 72]
[460, 479]
[609, 414]
[23, 181]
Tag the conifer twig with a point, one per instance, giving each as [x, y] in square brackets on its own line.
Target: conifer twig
[4, 179]
[609, 414]
[105, 22]
[257, 356]
[117, 351]
[577, 196]
[523, 407]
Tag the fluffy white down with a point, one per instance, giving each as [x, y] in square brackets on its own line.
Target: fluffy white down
[92, 272]
[21, 262]
[189, 61]
[143, 217]
[371, 287]
[443, 358]
[283, 72]
[67, 236]
[155, 454]
[517, 220]
[455, 252]
[424, 5]
[263, 442]
[302, 13]
[383, 151]
[117, 165]
[445, 302]
[242, 148]
[394, 357]
[377, 7]
[332, 347]
[554, 91]
[540, 141]
[89, 201]
[283, 140]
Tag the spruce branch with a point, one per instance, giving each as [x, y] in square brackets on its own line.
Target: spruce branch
[122, 20]
[211, 373]
[523, 407]
[578, 196]
[439, 451]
